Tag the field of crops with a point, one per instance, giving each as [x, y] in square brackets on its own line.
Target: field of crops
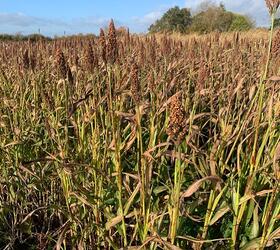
[140, 142]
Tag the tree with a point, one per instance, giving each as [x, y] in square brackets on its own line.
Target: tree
[241, 23]
[216, 18]
[174, 20]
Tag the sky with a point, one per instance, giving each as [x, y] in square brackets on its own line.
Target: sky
[56, 17]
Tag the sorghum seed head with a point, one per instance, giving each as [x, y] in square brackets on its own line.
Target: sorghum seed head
[61, 64]
[102, 42]
[177, 128]
[32, 62]
[70, 76]
[272, 5]
[276, 45]
[25, 59]
[112, 49]
[202, 75]
[151, 82]
[127, 36]
[135, 84]
[89, 58]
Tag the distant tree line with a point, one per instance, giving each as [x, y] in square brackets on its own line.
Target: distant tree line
[208, 18]
[39, 37]
[20, 37]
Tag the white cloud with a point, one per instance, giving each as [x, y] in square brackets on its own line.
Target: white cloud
[254, 8]
[22, 20]
[141, 24]
[149, 18]
[19, 22]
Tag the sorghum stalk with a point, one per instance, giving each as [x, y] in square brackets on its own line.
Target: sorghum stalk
[177, 131]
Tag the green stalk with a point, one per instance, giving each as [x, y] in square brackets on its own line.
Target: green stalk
[207, 217]
[117, 156]
[175, 199]
[142, 169]
[271, 214]
[262, 87]
[269, 46]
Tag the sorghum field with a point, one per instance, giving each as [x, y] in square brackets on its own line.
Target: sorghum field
[124, 141]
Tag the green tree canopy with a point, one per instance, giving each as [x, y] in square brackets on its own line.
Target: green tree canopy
[277, 22]
[175, 19]
[213, 19]
[241, 23]
[217, 18]
[208, 18]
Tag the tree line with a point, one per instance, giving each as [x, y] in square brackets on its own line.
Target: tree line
[208, 18]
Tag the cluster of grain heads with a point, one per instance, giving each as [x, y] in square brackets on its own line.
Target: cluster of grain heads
[28, 61]
[152, 50]
[177, 127]
[62, 67]
[103, 46]
[135, 83]
[25, 59]
[152, 82]
[112, 46]
[276, 45]
[203, 75]
[91, 60]
[127, 41]
[272, 5]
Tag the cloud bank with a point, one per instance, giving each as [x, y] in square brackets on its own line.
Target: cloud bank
[19, 22]
[253, 8]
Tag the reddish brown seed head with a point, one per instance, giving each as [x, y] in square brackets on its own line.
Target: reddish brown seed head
[25, 59]
[151, 82]
[272, 5]
[112, 49]
[90, 58]
[135, 84]
[177, 128]
[32, 61]
[202, 76]
[102, 42]
[61, 64]
[276, 45]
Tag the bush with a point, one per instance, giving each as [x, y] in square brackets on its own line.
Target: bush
[212, 19]
[174, 20]
[20, 37]
[241, 23]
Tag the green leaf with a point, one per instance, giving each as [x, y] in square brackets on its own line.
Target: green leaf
[255, 225]
[159, 189]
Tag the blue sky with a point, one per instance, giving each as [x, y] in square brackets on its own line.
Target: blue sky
[53, 17]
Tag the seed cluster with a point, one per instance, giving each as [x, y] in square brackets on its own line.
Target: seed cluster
[177, 128]
[61, 64]
[91, 61]
[135, 83]
[276, 45]
[112, 48]
[272, 5]
[102, 42]
[25, 59]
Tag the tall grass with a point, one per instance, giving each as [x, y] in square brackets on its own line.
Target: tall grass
[140, 142]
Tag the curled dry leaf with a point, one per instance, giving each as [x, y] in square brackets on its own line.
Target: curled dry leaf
[196, 185]
[274, 78]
